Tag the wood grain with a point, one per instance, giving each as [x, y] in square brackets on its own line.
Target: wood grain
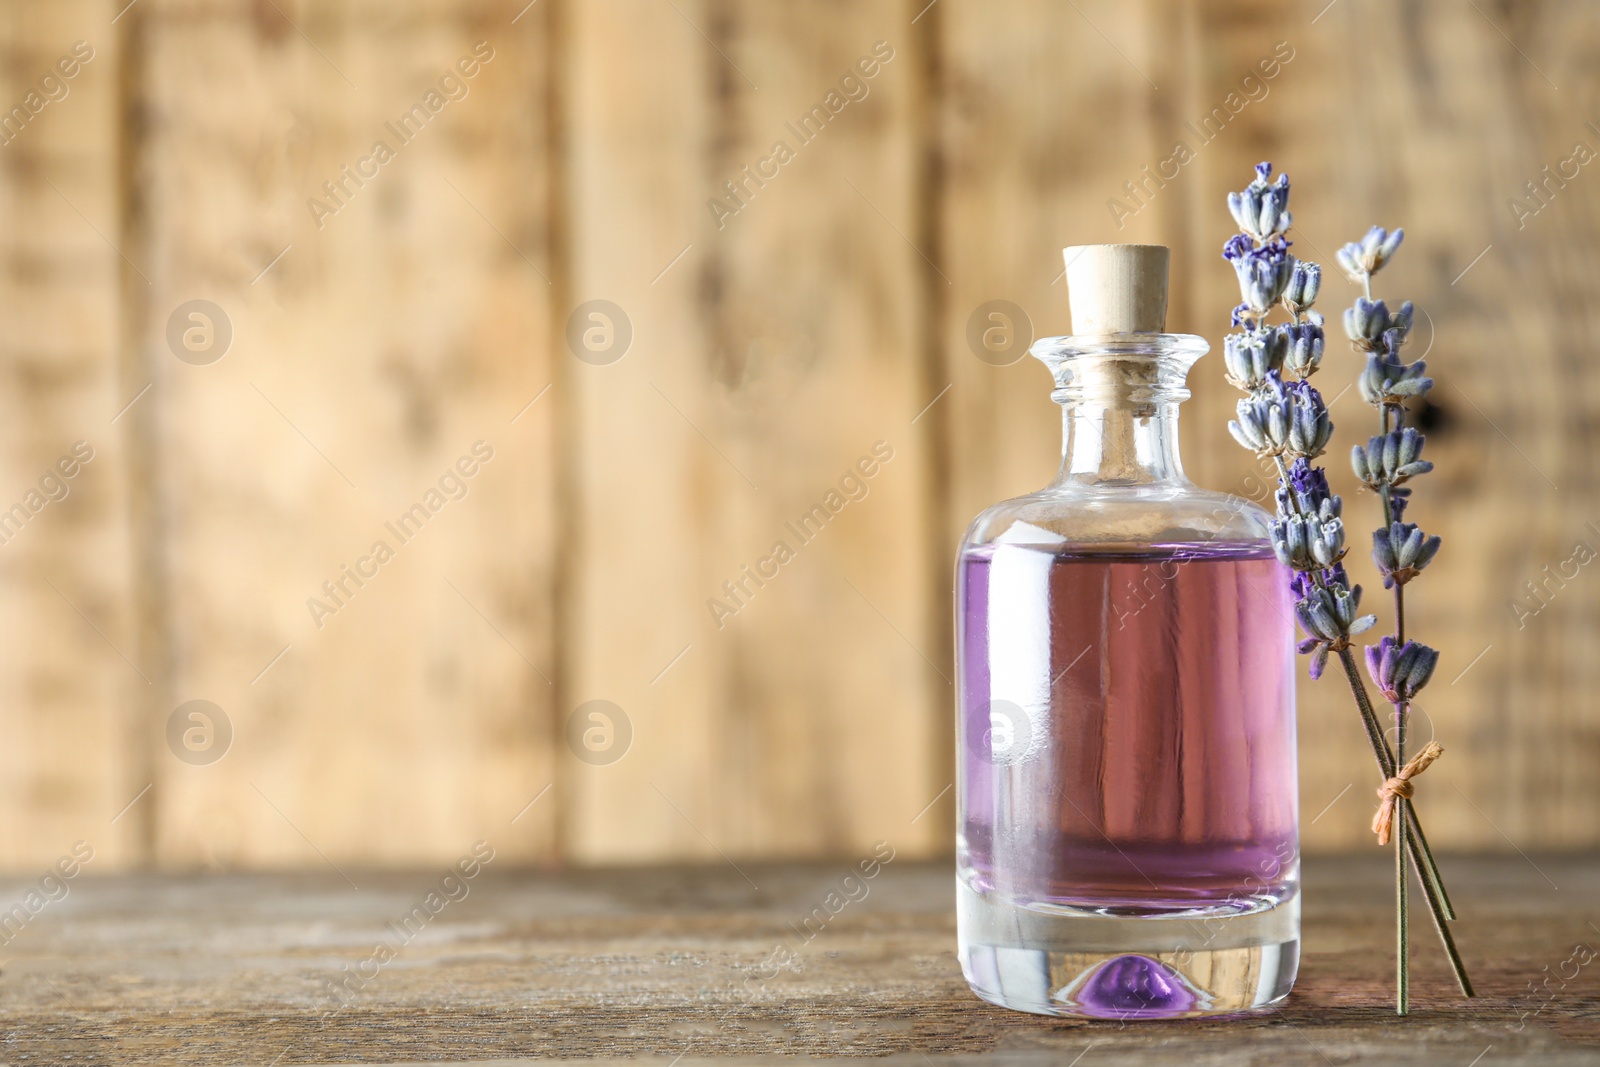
[774, 343]
[70, 664]
[749, 479]
[819, 375]
[399, 714]
[644, 467]
[669, 962]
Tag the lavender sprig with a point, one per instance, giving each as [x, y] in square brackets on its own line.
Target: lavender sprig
[1400, 550]
[1364, 258]
[1288, 422]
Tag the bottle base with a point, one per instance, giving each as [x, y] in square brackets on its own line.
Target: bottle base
[1172, 966]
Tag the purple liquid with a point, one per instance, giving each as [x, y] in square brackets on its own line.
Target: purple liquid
[1127, 728]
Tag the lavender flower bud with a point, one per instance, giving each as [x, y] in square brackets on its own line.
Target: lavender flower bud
[1399, 321]
[1307, 544]
[1367, 257]
[1319, 657]
[1349, 260]
[1327, 542]
[1304, 343]
[1328, 616]
[1372, 328]
[1365, 321]
[1401, 552]
[1249, 357]
[1237, 245]
[1274, 217]
[1301, 583]
[1309, 425]
[1329, 613]
[1245, 209]
[1318, 618]
[1260, 426]
[1291, 543]
[1285, 420]
[1276, 340]
[1263, 273]
[1262, 209]
[1389, 460]
[1377, 247]
[1307, 493]
[1304, 284]
[1400, 671]
[1388, 381]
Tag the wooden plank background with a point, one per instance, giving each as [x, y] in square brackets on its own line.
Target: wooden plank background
[772, 345]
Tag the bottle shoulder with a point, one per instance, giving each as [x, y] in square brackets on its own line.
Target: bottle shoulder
[1121, 516]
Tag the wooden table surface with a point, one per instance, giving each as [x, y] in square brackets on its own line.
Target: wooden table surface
[665, 964]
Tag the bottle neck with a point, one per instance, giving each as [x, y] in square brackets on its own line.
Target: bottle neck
[1119, 396]
[1113, 444]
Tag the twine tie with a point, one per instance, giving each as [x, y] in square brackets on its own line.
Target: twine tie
[1400, 786]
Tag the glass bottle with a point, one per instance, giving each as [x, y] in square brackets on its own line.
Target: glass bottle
[1127, 794]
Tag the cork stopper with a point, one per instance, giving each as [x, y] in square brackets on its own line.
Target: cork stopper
[1117, 288]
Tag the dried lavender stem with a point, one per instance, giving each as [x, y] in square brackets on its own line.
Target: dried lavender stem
[1402, 902]
[1402, 876]
[1402, 899]
[1418, 843]
[1419, 849]
[1436, 909]
[1440, 910]
[1369, 718]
